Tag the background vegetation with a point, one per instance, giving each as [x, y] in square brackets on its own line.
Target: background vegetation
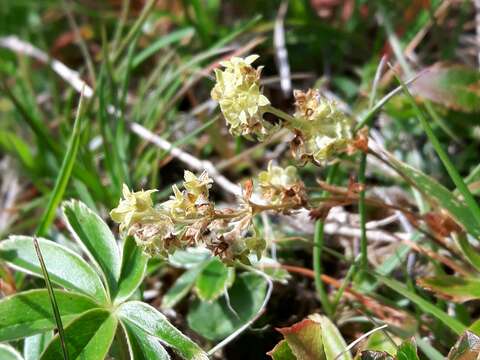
[145, 69]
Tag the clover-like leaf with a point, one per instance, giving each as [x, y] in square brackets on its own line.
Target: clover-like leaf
[134, 264]
[87, 338]
[219, 319]
[30, 312]
[65, 268]
[213, 280]
[154, 323]
[95, 237]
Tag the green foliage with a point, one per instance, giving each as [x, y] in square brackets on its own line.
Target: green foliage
[453, 288]
[90, 320]
[28, 313]
[153, 66]
[313, 338]
[213, 280]
[455, 87]
[220, 318]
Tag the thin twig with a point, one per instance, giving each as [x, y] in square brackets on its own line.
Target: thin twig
[188, 159]
[70, 76]
[281, 54]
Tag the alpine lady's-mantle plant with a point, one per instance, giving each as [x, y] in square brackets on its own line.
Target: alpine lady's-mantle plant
[97, 305]
[321, 131]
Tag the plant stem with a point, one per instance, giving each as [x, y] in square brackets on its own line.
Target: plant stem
[318, 243]
[318, 268]
[279, 113]
[362, 211]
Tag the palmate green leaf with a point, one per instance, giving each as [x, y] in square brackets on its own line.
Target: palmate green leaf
[453, 288]
[65, 268]
[455, 325]
[30, 312]
[217, 320]
[95, 237]
[181, 287]
[142, 345]
[214, 279]
[466, 348]
[9, 353]
[87, 338]
[333, 343]
[154, 323]
[34, 345]
[134, 265]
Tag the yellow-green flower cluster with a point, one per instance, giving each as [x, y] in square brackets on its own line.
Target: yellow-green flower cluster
[281, 186]
[322, 129]
[238, 92]
[134, 206]
[138, 218]
[191, 201]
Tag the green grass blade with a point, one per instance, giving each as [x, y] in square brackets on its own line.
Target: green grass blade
[450, 167]
[49, 215]
[51, 295]
[455, 325]
[159, 44]
[63, 176]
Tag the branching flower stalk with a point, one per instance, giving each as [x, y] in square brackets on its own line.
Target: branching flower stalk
[190, 218]
[320, 132]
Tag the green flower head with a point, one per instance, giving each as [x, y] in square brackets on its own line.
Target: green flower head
[322, 129]
[238, 92]
[133, 207]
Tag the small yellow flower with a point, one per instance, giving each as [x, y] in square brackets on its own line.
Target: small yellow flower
[322, 129]
[181, 204]
[198, 186]
[238, 92]
[278, 177]
[133, 207]
[281, 185]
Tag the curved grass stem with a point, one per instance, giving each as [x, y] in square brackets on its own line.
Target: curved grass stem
[318, 244]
